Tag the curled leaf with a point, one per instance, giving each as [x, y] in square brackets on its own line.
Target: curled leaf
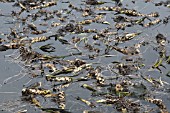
[47, 48]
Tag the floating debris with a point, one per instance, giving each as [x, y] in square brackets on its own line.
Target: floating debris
[3, 48]
[47, 48]
[51, 110]
[159, 103]
[122, 26]
[126, 37]
[127, 50]
[68, 48]
[88, 87]
[48, 4]
[94, 2]
[154, 22]
[39, 39]
[90, 104]
[35, 91]
[58, 79]
[161, 39]
[61, 100]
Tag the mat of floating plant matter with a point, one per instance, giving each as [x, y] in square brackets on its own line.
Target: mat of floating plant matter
[88, 56]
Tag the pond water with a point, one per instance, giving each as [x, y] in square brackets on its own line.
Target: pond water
[17, 73]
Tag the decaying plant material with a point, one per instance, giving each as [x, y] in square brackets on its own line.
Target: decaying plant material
[90, 55]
